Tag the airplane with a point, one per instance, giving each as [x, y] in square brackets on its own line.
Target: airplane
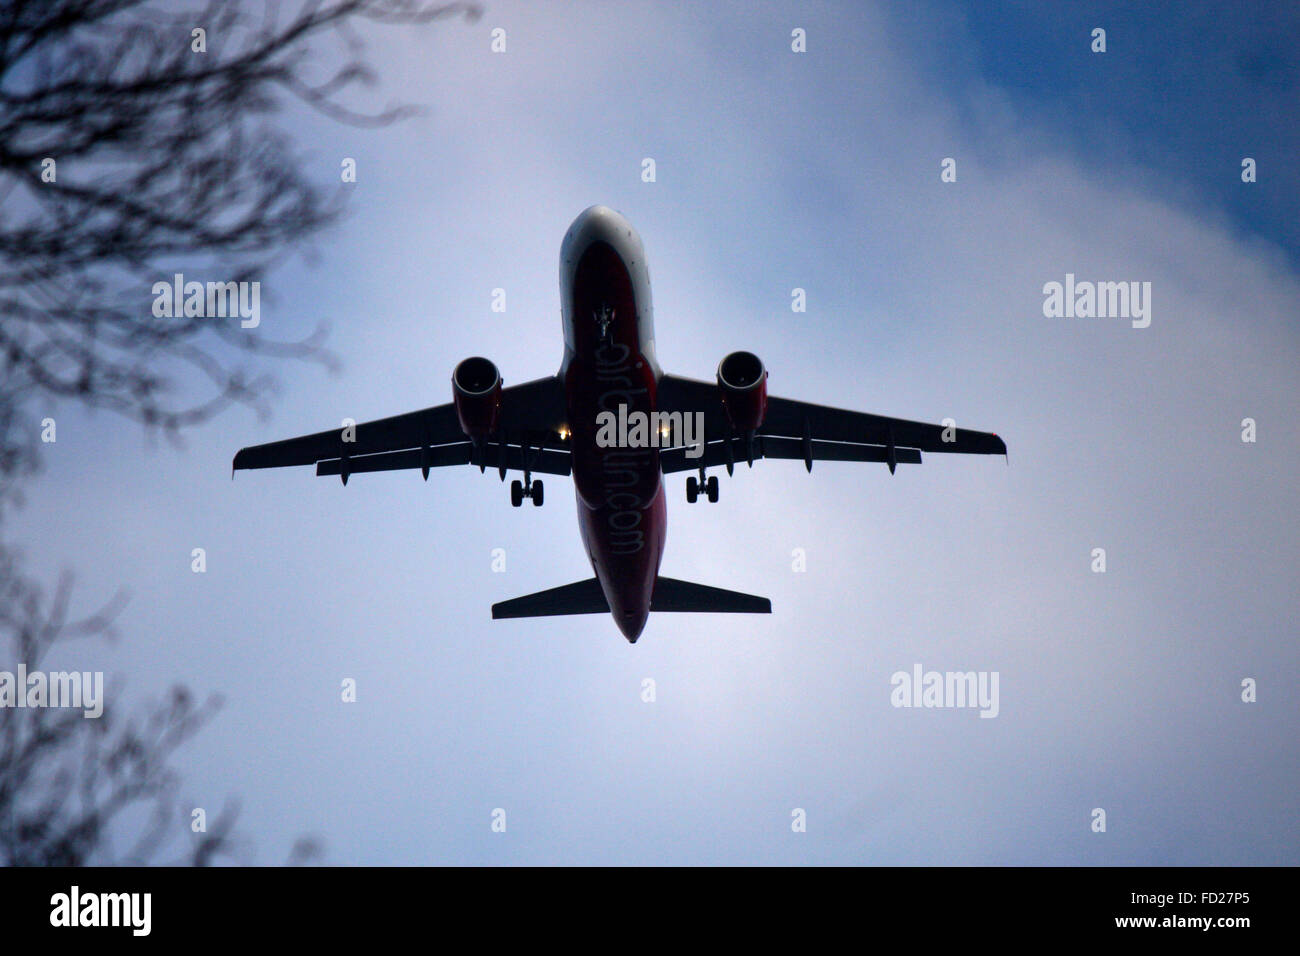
[550, 426]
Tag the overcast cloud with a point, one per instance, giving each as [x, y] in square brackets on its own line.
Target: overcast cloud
[774, 171]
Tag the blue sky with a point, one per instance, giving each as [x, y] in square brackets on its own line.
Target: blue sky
[775, 170]
[1184, 91]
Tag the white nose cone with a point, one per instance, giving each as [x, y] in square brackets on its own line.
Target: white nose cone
[599, 224]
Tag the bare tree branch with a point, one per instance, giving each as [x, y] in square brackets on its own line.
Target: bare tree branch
[127, 153]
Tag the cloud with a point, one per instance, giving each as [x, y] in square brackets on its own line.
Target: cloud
[775, 170]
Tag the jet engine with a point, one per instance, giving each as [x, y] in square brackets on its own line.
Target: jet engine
[743, 382]
[476, 393]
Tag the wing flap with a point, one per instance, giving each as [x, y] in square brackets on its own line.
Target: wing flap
[433, 426]
[770, 446]
[787, 418]
[790, 418]
[544, 461]
[533, 410]
[774, 447]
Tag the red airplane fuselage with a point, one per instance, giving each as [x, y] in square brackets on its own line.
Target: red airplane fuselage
[609, 362]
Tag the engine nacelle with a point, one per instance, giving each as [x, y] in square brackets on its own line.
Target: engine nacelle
[743, 381]
[476, 392]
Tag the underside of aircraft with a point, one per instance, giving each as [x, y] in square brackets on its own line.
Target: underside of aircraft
[553, 426]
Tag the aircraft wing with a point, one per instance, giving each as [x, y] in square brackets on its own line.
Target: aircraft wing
[802, 430]
[532, 415]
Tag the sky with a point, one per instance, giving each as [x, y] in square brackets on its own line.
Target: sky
[775, 170]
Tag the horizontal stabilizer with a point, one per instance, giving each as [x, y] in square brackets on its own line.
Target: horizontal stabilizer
[580, 597]
[673, 595]
[586, 597]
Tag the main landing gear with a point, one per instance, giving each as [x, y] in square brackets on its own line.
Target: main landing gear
[528, 488]
[519, 491]
[695, 485]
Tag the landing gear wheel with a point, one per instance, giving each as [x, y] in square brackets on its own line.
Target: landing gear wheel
[692, 489]
[711, 488]
[516, 493]
[537, 494]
